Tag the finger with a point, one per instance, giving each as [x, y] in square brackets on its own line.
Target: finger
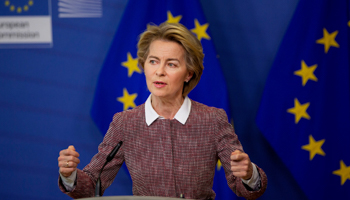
[241, 174]
[69, 152]
[69, 159]
[241, 160]
[72, 159]
[71, 147]
[240, 171]
[237, 156]
[68, 164]
[236, 152]
[72, 162]
[75, 160]
[245, 174]
[238, 168]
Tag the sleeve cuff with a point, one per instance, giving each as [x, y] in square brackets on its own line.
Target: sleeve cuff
[69, 181]
[254, 181]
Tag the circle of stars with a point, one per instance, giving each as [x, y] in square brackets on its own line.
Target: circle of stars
[18, 9]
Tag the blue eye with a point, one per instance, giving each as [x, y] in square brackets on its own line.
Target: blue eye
[172, 65]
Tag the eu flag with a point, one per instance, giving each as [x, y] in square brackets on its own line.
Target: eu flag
[25, 8]
[122, 84]
[305, 112]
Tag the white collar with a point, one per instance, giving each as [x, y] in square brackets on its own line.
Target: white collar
[182, 114]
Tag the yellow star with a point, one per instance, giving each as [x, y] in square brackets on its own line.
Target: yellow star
[328, 40]
[131, 64]
[200, 30]
[172, 19]
[314, 147]
[218, 165]
[349, 23]
[127, 99]
[306, 72]
[343, 172]
[299, 110]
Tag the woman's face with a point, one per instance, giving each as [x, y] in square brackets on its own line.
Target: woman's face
[165, 69]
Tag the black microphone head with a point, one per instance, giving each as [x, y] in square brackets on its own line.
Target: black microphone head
[114, 151]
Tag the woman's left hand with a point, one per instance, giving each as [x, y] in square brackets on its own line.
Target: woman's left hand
[241, 165]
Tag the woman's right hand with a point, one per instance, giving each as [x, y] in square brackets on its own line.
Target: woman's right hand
[68, 161]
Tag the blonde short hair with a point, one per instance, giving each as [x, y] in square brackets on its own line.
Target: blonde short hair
[180, 34]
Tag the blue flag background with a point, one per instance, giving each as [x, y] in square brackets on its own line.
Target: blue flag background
[122, 84]
[305, 109]
[47, 93]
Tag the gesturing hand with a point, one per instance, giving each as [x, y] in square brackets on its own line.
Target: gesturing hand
[241, 165]
[68, 161]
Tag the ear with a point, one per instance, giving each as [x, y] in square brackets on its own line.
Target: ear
[188, 77]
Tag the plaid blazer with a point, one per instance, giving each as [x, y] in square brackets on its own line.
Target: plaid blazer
[167, 158]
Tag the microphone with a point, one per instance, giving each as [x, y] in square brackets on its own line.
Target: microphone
[108, 159]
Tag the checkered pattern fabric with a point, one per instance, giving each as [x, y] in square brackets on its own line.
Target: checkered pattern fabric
[168, 158]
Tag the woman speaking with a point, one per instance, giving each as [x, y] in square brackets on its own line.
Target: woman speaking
[171, 144]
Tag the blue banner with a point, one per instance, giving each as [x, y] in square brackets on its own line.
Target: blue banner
[305, 108]
[122, 84]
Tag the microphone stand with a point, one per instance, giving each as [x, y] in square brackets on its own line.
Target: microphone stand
[108, 159]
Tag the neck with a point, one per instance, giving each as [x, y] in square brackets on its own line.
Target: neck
[165, 107]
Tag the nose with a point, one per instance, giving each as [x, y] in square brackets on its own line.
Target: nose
[160, 71]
